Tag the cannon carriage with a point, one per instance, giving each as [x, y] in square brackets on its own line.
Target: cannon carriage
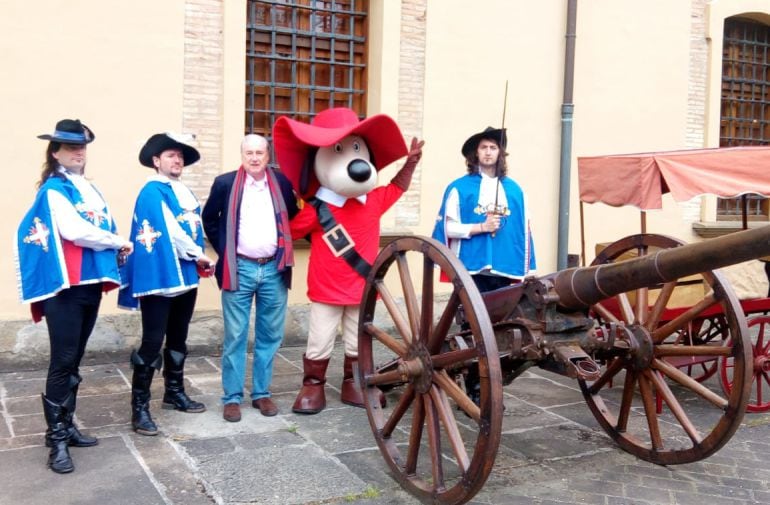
[614, 327]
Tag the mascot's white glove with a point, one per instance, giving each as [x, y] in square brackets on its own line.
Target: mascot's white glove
[404, 176]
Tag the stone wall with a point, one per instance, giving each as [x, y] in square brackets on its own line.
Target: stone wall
[24, 345]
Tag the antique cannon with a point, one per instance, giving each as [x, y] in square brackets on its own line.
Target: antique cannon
[600, 325]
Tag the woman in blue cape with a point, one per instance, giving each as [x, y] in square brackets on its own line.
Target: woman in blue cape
[66, 257]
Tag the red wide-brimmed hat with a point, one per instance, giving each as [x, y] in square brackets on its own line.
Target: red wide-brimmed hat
[292, 140]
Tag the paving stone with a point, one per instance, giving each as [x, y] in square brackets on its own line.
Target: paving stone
[723, 491]
[659, 483]
[701, 499]
[761, 496]
[745, 483]
[598, 487]
[648, 493]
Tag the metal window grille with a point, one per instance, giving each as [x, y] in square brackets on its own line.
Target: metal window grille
[745, 117]
[303, 56]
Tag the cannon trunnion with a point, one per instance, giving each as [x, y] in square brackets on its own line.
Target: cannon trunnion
[600, 325]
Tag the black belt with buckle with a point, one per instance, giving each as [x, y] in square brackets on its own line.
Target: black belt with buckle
[261, 261]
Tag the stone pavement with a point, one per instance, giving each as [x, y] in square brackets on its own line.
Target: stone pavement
[552, 450]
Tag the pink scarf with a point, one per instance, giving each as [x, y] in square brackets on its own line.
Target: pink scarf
[284, 254]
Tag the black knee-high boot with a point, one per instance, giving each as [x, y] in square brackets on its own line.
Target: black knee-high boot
[77, 439]
[173, 374]
[57, 437]
[141, 381]
[74, 437]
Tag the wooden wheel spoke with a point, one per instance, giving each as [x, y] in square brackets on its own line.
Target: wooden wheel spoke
[385, 339]
[454, 392]
[642, 299]
[426, 321]
[660, 305]
[398, 411]
[715, 351]
[415, 437]
[626, 401]
[394, 376]
[604, 313]
[690, 383]
[650, 412]
[453, 433]
[681, 321]
[674, 405]
[434, 442]
[625, 307]
[444, 323]
[611, 371]
[395, 313]
[447, 359]
[410, 297]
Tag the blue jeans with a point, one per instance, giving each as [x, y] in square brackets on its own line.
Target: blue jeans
[264, 284]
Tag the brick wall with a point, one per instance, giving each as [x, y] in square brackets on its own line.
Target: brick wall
[695, 135]
[410, 99]
[203, 88]
[696, 104]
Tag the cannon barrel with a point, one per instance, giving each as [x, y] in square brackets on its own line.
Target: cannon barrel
[582, 287]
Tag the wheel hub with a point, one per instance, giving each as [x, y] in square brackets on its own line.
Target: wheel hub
[640, 352]
[418, 367]
[761, 364]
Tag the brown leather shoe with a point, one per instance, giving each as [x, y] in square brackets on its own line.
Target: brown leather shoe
[266, 406]
[232, 412]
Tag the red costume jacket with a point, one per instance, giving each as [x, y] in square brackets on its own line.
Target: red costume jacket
[330, 279]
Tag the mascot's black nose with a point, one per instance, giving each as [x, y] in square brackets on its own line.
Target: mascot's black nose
[359, 170]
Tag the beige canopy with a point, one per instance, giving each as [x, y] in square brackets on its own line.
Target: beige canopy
[641, 179]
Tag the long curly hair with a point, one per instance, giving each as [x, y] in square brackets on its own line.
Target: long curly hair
[501, 167]
[51, 164]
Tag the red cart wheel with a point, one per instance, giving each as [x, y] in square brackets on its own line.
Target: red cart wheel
[760, 384]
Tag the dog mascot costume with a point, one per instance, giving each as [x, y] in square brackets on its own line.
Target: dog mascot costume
[332, 164]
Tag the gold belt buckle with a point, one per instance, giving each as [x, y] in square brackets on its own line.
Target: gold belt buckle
[338, 240]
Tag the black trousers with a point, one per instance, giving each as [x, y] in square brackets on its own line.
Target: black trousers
[70, 316]
[165, 316]
[490, 282]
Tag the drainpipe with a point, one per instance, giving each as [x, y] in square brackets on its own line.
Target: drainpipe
[567, 108]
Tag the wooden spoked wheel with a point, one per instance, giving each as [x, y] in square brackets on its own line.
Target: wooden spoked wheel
[759, 401]
[665, 342]
[438, 444]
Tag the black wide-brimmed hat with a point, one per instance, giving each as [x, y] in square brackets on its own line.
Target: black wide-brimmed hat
[70, 131]
[496, 134]
[160, 142]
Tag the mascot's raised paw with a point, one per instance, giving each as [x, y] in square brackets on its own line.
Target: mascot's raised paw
[333, 164]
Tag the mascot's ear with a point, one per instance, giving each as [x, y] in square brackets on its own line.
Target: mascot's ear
[307, 170]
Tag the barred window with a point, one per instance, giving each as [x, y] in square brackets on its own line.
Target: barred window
[304, 56]
[745, 116]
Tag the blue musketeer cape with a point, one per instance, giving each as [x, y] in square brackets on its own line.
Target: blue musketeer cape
[46, 263]
[154, 268]
[510, 253]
